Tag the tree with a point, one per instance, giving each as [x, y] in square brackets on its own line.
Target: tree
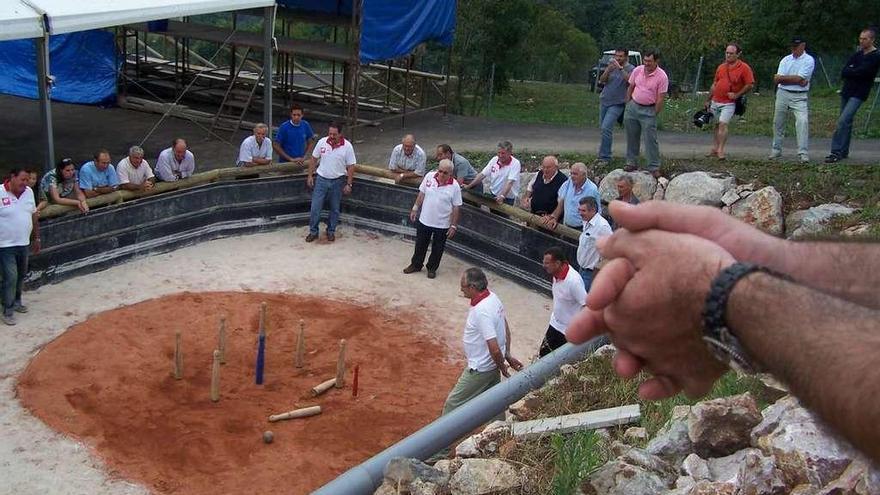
[555, 49]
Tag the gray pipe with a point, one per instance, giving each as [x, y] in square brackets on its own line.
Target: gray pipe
[366, 477]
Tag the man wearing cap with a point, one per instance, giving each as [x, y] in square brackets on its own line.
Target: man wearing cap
[858, 76]
[733, 78]
[436, 208]
[793, 85]
[407, 159]
[569, 297]
[645, 95]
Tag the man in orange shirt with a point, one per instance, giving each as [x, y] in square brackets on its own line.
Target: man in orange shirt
[733, 78]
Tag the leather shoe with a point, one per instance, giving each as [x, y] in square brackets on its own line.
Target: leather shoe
[411, 269]
[311, 237]
[432, 274]
[331, 237]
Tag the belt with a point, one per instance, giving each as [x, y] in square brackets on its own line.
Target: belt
[793, 91]
[648, 105]
[588, 269]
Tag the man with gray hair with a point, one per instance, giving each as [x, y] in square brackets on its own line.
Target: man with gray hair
[257, 149]
[486, 342]
[625, 194]
[503, 174]
[576, 187]
[407, 159]
[134, 172]
[594, 228]
[437, 210]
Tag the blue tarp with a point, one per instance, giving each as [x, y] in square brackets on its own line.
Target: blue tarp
[392, 28]
[83, 65]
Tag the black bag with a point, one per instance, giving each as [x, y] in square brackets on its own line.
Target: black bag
[740, 107]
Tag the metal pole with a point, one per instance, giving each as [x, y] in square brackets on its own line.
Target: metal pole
[491, 90]
[268, 38]
[363, 479]
[44, 88]
[446, 89]
[827, 79]
[874, 104]
[699, 73]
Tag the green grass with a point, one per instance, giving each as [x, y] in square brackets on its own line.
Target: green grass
[575, 105]
[575, 457]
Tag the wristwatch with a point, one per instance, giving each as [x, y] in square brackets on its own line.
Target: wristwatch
[717, 334]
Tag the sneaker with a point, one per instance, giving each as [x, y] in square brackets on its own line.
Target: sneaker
[311, 237]
[9, 319]
[432, 274]
[411, 269]
[630, 167]
[774, 155]
[655, 173]
[20, 308]
[331, 237]
[833, 158]
[804, 158]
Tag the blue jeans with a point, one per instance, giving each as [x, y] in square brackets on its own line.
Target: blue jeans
[326, 189]
[843, 133]
[13, 267]
[608, 116]
[587, 275]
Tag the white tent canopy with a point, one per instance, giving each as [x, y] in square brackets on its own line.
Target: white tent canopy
[18, 21]
[23, 19]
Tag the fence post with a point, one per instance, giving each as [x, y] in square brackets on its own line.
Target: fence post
[699, 73]
[491, 90]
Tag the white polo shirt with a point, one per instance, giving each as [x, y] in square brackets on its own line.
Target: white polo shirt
[414, 163]
[569, 297]
[333, 159]
[127, 173]
[439, 201]
[16, 217]
[485, 321]
[249, 150]
[588, 255]
[498, 176]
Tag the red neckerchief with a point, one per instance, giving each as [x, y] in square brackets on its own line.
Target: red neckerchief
[502, 164]
[6, 184]
[561, 273]
[479, 297]
[337, 145]
[447, 183]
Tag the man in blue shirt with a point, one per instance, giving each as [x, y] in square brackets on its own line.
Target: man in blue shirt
[98, 176]
[575, 188]
[294, 138]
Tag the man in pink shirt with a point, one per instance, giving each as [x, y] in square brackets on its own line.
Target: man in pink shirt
[648, 85]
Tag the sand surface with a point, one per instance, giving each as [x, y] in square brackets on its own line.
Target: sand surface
[361, 267]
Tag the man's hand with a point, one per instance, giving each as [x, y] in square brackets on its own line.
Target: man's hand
[526, 202]
[450, 232]
[549, 221]
[35, 246]
[412, 215]
[514, 363]
[803, 82]
[83, 206]
[649, 298]
[504, 370]
[731, 95]
[346, 189]
[743, 241]
[310, 182]
[499, 199]
[148, 185]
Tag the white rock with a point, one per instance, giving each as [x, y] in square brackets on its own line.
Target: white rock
[660, 193]
[467, 448]
[606, 351]
[816, 219]
[730, 197]
[635, 434]
[721, 426]
[672, 442]
[695, 467]
[699, 188]
[763, 209]
[617, 477]
[483, 477]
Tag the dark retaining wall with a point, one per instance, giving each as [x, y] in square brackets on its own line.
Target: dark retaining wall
[79, 244]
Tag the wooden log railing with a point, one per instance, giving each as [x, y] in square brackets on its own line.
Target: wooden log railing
[116, 197]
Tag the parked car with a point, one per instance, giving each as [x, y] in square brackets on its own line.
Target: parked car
[635, 58]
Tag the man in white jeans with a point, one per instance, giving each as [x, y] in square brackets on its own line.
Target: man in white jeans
[793, 86]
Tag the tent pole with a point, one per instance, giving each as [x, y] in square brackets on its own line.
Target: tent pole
[268, 38]
[42, 46]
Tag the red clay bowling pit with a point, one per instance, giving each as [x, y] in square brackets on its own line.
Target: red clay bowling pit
[108, 381]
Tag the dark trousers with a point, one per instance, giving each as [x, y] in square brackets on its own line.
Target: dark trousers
[436, 238]
[553, 339]
[13, 268]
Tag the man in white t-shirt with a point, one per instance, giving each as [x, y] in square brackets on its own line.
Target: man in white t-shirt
[257, 149]
[134, 172]
[437, 207]
[503, 173]
[486, 342]
[407, 159]
[569, 297]
[595, 227]
[334, 157]
[19, 228]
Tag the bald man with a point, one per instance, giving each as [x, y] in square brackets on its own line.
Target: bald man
[407, 159]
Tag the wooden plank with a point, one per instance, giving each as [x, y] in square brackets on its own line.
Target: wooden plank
[601, 418]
